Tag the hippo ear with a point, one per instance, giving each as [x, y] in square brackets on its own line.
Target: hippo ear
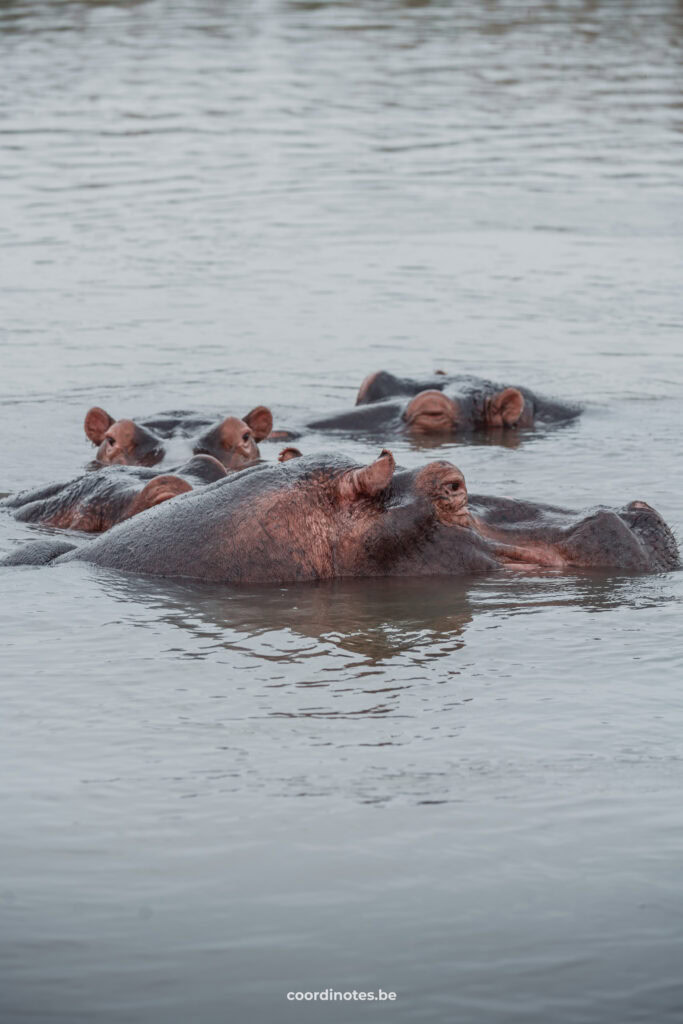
[96, 424]
[366, 385]
[506, 408]
[260, 420]
[161, 488]
[288, 453]
[370, 480]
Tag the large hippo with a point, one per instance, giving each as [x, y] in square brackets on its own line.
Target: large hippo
[97, 500]
[323, 516]
[443, 405]
[233, 440]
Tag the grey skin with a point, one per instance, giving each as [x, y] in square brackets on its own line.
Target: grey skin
[324, 516]
[106, 495]
[443, 405]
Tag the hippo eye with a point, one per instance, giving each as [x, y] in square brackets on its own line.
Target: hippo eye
[245, 437]
[110, 440]
[454, 485]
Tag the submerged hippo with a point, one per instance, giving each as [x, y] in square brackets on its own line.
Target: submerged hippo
[233, 441]
[323, 516]
[97, 500]
[442, 404]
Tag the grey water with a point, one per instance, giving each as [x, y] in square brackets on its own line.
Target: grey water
[468, 792]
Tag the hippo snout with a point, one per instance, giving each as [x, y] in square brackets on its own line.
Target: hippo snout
[635, 538]
[653, 534]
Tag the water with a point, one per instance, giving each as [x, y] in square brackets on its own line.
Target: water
[466, 791]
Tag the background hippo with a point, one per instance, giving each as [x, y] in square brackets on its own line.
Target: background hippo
[233, 441]
[319, 517]
[97, 500]
[443, 404]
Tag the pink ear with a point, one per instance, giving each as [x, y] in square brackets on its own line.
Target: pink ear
[161, 488]
[370, 480]
[365, 387]
[506, 408]
[260, 420]
[288, 453]
[96, 424]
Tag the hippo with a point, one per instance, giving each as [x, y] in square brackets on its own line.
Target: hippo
[97, 500]
[233, 441]
[325, 516]
[445, 405]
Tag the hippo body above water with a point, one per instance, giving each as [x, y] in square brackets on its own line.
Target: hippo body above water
[321, 517]
[233, 441]
[443, 405]
[99, 499]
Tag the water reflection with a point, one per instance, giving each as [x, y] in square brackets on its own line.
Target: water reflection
[504, 438]
[399, 439]
[374, 620]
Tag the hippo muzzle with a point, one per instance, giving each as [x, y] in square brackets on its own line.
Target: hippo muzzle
[635, 538]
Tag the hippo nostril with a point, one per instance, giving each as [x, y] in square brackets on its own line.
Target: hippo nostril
[635, 506]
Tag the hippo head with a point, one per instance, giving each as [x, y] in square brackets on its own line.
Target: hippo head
[433, 412]
[234, 442]
[122, 442]
[318, 517]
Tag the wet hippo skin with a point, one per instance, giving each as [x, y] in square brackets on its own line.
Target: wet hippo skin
[324, 516]
[443, 405]
[97, 500]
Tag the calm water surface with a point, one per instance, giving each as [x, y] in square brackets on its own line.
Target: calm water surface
[465, 791]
